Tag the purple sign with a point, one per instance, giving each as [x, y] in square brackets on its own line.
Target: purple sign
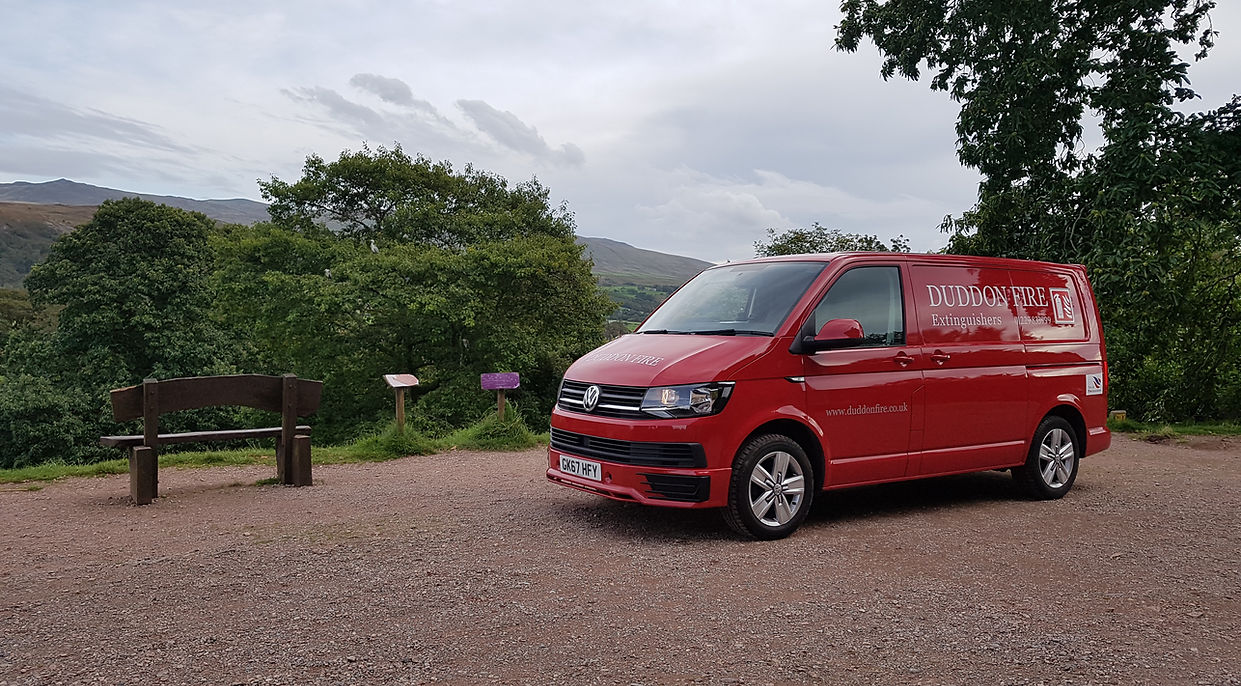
[499, 381]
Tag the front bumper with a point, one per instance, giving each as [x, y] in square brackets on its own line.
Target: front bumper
[681, 488]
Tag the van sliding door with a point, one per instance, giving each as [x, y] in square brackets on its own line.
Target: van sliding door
[976, 386]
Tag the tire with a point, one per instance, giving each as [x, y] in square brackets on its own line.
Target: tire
[1051, 466]
[771, 489]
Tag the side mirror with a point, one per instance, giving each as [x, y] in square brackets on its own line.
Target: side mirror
[840, 330]
[835, 333]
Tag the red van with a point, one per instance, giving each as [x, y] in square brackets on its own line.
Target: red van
[761, 383]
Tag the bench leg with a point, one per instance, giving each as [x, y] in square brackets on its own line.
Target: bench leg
[299, 465]
[143, 475]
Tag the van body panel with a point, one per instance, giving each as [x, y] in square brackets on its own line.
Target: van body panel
[976, 418]
[864, 400]
[666, 359]
[1074, 383]
[1042, 354]
[959, 362]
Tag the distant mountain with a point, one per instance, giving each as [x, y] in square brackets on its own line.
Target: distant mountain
[66, 192]
[620, 263]
[33, 215]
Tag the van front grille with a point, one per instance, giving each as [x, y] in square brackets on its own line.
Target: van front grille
[639, 453]
[622, 402]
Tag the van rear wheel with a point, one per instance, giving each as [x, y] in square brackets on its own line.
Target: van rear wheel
[1051, 466]
[771, 489]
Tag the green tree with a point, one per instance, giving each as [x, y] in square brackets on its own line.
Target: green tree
[1152, 212]
[386, 196]
[132, 287]
[130, 297]
[484, 285]
[819, 239]
[42, 422]
[328, 309]
[1027, 72]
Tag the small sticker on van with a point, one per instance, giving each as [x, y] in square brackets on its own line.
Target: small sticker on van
[1062, 308]
[1094, 384]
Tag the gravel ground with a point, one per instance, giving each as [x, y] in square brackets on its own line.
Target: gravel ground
[469, 568]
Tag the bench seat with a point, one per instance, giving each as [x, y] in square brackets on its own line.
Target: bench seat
[290, 396]
[199, 436]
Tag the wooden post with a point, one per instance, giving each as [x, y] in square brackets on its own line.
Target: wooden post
[400, 410]
[150, 435]
[288, 426]
[142, 469]
[499, 382]
[398, 383]
[300, 463]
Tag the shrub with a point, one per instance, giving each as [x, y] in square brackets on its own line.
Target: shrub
[42, 423]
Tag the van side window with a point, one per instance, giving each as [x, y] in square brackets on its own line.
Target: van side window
[871, 295]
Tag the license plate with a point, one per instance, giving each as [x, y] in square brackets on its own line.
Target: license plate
[582, 468]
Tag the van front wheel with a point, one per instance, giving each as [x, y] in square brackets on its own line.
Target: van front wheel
[1051, 466]
[771, 489]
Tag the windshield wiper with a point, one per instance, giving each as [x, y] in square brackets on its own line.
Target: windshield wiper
[731, 332]
[712, 332]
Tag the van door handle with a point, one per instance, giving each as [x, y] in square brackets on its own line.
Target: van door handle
[940, 357]
[903, 360]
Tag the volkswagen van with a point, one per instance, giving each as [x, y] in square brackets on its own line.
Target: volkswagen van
[760, 384]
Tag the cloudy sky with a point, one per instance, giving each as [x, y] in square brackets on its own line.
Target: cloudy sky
[683, 127]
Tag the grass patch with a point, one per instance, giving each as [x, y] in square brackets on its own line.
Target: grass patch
[493, 433]
[388, 445]
[55, 470]
[267, 482]
[489, 434]
[215, 458]
[1162, 431]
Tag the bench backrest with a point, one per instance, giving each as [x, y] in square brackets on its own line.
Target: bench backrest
[246, 390]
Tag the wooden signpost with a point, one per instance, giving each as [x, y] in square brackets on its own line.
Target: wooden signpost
[399, 382]
[500, 382]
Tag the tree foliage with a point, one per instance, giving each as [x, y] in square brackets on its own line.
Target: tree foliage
[129, 290]
[819, 239]
[42, 422]
[470, 276]
[132, 287]
[1026, 72]
[1152, 211]
[387, 196]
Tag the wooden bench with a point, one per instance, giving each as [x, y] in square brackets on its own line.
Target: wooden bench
[290, 396]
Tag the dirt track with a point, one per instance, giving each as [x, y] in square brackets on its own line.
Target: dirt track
[470, 568]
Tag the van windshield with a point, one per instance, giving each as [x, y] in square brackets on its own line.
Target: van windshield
[735, 300]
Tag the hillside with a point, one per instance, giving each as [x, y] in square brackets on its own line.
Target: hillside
[66, 192]
[620, 263]
[27, 232]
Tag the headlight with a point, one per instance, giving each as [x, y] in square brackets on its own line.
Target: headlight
[690, 400]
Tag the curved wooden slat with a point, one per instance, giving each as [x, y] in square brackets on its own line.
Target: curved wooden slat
[258, 391]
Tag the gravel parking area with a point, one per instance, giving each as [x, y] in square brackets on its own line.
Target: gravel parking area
[469, 568]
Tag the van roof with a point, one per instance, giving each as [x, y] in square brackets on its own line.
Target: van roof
[923, 258]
